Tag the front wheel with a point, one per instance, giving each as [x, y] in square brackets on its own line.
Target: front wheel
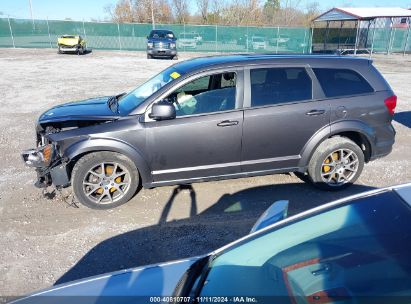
[336, 164]
[104, 180]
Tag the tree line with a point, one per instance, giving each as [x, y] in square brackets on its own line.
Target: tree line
[221, 12]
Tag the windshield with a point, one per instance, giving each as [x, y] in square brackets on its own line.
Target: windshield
[187, 36]
[161, 34]
[136, 97]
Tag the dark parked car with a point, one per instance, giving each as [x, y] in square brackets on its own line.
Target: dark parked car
[355, 250]
[222, 117]
[161, 43]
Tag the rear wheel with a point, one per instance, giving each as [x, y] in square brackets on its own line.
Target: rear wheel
[104, 180]
[336, 164]
[149, 56]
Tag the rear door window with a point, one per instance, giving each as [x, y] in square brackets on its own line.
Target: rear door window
[342, 82]
[270, 86]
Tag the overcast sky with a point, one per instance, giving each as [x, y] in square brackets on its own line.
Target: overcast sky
[88, 9]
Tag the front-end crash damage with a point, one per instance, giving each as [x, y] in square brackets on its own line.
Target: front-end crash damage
[49, 165]
[57, 129]
[48, 159]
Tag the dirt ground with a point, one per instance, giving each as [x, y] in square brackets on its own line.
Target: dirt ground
[44, 241]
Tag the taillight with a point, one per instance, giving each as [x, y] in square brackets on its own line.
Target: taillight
[391, 103]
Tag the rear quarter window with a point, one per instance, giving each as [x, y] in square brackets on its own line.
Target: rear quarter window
[342, 82]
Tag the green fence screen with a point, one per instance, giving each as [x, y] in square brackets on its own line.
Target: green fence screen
[26, 33]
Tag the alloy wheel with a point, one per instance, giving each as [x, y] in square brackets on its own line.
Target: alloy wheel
[106, 183]
[339, 167]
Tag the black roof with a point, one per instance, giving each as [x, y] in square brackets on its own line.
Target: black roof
[190, 65]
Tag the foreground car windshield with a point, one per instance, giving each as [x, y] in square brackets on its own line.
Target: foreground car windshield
[137, 96]
[357, 250]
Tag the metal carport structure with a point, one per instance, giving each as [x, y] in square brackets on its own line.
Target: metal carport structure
[354, 30]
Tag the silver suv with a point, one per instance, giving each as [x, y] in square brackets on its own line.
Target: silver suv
[222, 117]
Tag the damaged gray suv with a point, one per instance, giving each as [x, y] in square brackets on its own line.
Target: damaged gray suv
[222, 117]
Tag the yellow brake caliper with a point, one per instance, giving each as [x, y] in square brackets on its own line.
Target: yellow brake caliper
[327, 161]
[326, 168]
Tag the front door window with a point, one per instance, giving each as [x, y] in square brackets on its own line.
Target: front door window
[208, 94]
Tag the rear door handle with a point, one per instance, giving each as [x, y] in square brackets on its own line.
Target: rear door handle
[315, 112]
[226, 123]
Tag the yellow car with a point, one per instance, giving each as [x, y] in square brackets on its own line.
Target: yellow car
[71, 43]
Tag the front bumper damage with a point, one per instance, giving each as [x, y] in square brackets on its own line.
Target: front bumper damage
[69, 48]
[51, 169]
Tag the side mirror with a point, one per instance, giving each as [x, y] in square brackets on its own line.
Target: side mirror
[275, 213]
[162, 110]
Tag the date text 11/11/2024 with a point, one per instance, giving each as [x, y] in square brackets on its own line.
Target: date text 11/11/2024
[238, 299]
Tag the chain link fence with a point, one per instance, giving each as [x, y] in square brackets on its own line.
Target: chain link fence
[27, 33]
[389, 35]
[379, 35]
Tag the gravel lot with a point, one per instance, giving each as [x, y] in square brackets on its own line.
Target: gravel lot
[44, 241]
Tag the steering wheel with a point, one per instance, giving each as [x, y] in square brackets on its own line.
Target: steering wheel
[173, 100]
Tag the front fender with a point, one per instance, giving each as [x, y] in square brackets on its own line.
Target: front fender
[104, 144]
[335, 129]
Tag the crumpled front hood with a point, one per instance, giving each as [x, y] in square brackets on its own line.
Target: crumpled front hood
[138, 284]
[90, 109]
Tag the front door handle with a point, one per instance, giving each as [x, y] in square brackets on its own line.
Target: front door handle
[226, 123]
[315, 112]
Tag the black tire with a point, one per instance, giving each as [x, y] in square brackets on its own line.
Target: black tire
[111, 197]
[81, 51]
[327, 166]
[59, 51]
[149, 56]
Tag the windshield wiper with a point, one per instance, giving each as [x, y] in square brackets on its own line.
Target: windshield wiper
[112, 102]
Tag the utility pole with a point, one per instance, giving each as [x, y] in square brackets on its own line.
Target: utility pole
[152, 15]
[131, 11]
[31, 14]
